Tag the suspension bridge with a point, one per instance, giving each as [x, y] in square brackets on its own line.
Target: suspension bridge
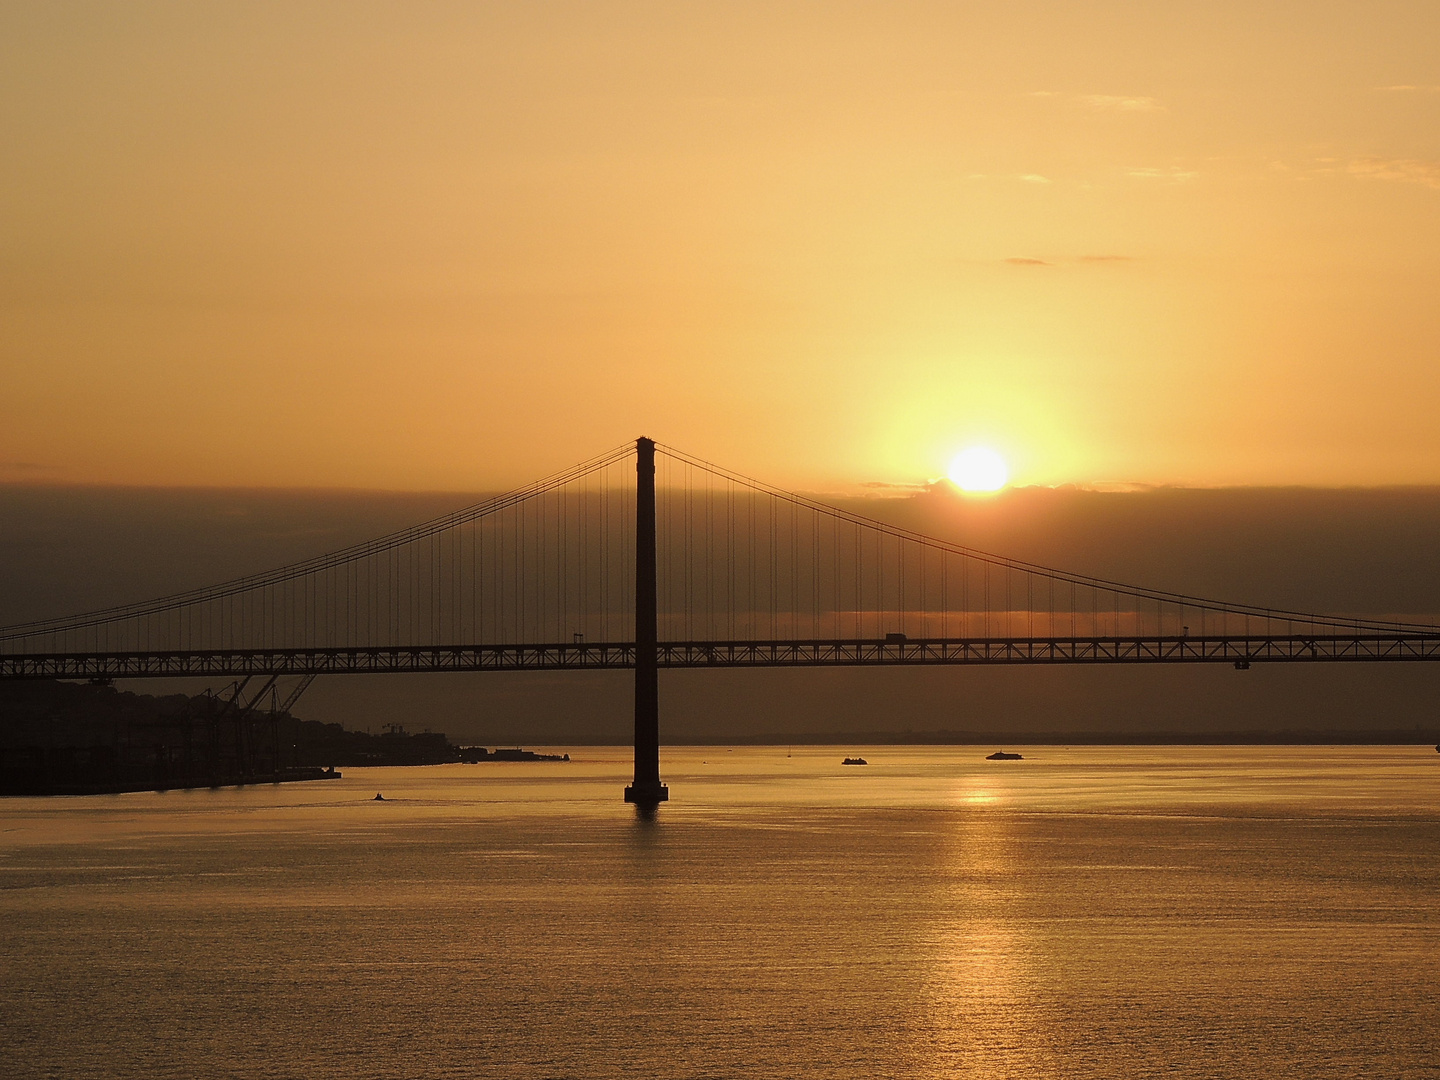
[645, 558]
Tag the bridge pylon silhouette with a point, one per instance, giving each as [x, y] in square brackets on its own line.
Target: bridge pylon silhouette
[647, 791]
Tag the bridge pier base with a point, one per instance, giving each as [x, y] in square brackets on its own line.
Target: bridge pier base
[648, 795]
[647, 791]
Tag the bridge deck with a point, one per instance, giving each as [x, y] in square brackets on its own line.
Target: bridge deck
[1231, 649]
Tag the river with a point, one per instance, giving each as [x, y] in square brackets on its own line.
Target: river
[1085, 912]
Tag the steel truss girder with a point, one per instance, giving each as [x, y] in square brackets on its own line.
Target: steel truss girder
[1241, 650]
[1238, 650]
[348, 661]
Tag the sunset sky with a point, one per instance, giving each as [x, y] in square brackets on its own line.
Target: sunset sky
[460, 245]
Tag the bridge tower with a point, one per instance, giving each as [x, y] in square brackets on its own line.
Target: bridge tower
[646, 791]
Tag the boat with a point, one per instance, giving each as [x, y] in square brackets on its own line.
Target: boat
[1001, 755]
[854, 761]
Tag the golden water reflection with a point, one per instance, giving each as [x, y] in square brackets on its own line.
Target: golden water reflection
[1097, 912]
[986, 1000]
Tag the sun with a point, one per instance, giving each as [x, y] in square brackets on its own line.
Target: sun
[978, 469]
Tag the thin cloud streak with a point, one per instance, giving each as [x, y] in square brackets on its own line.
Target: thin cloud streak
[1116, 103]
[1174, 176]
[1402, 170]
[1121, 103]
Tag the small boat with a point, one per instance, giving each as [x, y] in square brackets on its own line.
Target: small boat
[854, 761]
[378, 798]
[1001, 755]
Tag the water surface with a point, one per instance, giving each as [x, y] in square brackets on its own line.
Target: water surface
[1086, 912]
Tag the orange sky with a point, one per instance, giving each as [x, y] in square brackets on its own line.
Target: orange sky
[460, 245]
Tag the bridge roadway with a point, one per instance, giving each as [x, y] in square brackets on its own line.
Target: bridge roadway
[1239, 650]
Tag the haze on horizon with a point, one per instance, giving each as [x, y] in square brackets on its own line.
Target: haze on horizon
[456, 246]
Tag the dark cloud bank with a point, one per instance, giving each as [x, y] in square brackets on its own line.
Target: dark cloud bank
[68, 549]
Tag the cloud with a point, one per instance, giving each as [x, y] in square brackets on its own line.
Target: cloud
[1034, 178]
[1119, 103]
[25, 467]
[1405, 88]
[1405, 170]
[1174, 175]
[882, 485]
[1020, 260]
